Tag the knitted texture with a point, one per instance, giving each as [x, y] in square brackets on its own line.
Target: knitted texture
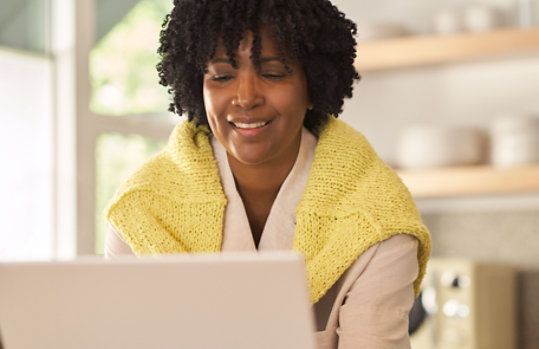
[352, 201]
[175, 203]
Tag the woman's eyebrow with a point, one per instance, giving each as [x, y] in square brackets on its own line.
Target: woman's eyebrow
[220, 60]
[229, 61]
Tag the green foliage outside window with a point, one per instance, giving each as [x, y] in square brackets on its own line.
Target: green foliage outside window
[122, 64]
[125, 82]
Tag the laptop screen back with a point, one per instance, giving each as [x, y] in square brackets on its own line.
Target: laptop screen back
[192, 301]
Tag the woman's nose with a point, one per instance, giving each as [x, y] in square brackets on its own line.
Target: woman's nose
[248, 94]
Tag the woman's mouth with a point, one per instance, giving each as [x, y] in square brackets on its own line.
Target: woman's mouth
[249, 126]
[250, 129]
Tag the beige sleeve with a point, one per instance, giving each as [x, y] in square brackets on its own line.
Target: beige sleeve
[115, 245]
[375, 311]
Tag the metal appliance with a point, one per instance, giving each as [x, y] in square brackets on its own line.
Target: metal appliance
[465, 305]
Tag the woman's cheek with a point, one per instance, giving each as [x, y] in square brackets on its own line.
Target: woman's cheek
[215, 102]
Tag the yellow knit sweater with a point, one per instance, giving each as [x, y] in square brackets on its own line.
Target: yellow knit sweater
[175, 203]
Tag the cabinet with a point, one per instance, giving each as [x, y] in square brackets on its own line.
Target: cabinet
[408, 52]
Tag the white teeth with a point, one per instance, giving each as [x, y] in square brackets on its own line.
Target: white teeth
[249, 126]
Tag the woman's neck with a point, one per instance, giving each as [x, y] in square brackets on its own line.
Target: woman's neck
[258, 186]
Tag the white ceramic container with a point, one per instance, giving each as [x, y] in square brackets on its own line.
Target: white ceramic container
[426, 146]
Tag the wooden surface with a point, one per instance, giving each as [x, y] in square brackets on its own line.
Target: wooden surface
[421, 50]
[458, 181]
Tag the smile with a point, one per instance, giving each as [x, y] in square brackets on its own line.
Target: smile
[250, 126]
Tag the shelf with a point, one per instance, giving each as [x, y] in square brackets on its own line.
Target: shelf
[460, 181]
[422, 50]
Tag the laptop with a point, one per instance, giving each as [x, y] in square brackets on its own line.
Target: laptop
[235, 301]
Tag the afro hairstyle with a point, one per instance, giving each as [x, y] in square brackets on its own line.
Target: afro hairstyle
[314, 32]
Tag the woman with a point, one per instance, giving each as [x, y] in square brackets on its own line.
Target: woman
[264, 164]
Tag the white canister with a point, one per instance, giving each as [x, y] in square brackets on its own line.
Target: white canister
[515, 141]
[427, 146]
[447, 22]
[369, 31]
[480, 18]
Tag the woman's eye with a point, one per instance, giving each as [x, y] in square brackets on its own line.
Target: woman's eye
[221, 78]
[273, 76]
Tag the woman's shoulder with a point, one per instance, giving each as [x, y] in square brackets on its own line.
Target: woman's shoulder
[184, 169]
[351, 173]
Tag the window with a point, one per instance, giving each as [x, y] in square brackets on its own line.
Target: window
[125, 86]
[70, 137]
[122, 69]
[24, 25]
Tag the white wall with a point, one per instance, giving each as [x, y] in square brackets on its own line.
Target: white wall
[473, 92]
[417, 14]
[456, 94]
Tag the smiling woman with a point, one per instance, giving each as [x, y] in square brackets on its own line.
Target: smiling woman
[262, 163]
[257, 114]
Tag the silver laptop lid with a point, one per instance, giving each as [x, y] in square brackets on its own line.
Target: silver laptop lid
[191, 301]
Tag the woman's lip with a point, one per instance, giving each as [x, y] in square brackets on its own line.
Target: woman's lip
[249, 125]
[251, 129]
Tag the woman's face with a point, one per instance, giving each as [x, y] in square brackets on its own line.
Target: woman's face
[256, 115]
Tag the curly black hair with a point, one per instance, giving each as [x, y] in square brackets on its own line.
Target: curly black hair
[314, 32]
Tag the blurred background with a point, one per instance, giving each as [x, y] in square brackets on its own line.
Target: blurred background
[449, 97]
